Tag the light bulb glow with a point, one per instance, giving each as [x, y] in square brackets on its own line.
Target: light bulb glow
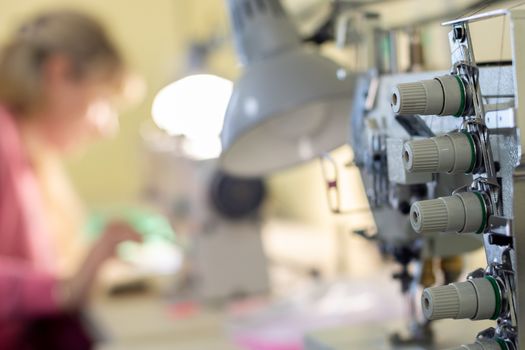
[194, 107]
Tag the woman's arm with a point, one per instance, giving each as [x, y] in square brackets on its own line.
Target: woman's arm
[26, 292]
[25, 289]
[73, 292]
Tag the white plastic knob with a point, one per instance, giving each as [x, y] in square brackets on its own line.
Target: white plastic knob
[482, 345]
[464, 212]
[476, 299]
[440, 96]
[453, 153]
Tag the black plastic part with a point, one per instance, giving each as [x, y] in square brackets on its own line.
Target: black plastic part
[459, 33]
[236, 198]
[500, 240]
[404, 207]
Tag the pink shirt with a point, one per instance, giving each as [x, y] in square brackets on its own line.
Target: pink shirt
[27, 282]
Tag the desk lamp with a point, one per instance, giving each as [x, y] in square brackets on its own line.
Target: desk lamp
[290, 105]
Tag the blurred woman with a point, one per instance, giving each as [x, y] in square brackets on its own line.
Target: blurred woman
[58, 76]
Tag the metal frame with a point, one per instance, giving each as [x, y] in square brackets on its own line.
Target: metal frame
[517, 18]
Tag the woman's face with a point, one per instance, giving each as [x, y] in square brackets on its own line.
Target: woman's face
[74, 110]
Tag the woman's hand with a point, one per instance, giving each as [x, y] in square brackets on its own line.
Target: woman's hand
[73, 292]
[114, 234]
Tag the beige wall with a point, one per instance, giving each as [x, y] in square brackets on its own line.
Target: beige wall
[153, 35]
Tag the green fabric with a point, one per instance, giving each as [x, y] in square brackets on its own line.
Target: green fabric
[152, 226]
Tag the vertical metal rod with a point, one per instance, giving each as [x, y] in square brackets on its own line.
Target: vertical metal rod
[479, 125]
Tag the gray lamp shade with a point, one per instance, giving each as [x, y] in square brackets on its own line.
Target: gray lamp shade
[289, 106]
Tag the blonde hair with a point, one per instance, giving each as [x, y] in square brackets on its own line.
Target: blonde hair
[65, 32]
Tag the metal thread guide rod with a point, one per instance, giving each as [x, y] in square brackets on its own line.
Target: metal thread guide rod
[464, 66]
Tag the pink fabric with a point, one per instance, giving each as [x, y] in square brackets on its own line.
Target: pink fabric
[27, 282]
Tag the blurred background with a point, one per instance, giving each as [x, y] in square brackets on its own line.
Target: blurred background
[256, 270]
